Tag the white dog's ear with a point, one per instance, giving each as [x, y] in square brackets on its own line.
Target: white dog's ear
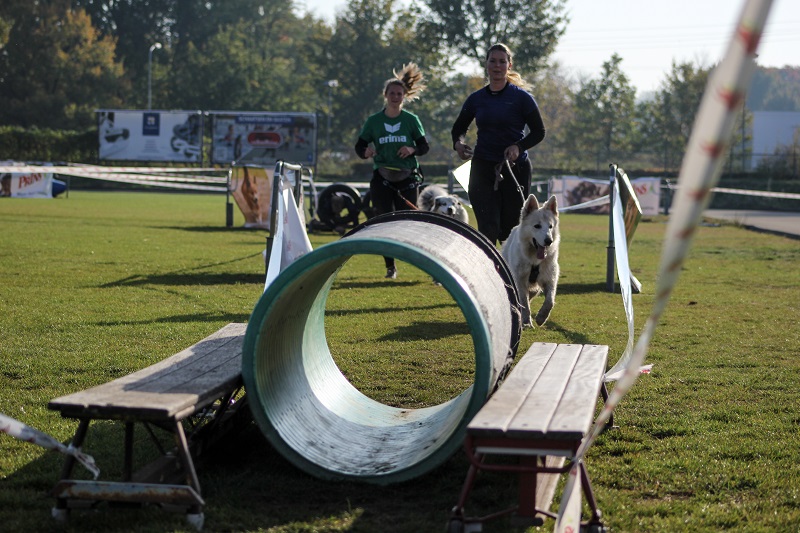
[552, 205]
[531, 205]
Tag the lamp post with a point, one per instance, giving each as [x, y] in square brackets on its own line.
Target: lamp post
[154, 46]
[331, 84]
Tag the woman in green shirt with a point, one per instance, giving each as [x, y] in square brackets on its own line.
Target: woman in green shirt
[393, 138]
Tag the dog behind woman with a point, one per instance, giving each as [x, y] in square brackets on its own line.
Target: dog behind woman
[435, 199]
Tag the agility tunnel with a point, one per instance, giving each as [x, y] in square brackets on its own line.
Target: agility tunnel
[307, 408]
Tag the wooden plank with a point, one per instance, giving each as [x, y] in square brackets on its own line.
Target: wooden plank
[546, 483]
[495, 416]
[576, 410]
[178, 385]
[539, 407]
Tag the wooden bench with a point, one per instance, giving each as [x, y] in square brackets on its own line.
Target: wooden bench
[541, 413]
[192, 396]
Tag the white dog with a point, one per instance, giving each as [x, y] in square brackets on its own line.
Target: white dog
[531, 252]
[435, 198]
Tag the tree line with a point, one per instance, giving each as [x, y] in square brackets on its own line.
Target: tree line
[60, 60]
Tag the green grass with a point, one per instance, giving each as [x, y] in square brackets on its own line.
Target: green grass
[101, 284]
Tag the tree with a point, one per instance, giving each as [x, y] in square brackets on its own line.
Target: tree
[248, 65]
[604, 114]
[666, 122]
[531, 29]
[775, 89]
[555, 98]
[370, 39]
[58, 69]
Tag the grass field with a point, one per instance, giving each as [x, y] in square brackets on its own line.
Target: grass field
[100, 284]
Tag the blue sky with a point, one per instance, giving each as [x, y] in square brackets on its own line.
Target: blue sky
[650, 34]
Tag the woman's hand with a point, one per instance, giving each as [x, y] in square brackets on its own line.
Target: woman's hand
[406, 151]
[464, 151]
[369, 152]
[511, 153]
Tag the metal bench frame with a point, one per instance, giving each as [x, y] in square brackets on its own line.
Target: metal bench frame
[540, 414]
[192, 396]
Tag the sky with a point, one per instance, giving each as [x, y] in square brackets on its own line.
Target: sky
[650, 34]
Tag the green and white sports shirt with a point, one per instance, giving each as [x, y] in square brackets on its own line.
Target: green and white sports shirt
[388, 135]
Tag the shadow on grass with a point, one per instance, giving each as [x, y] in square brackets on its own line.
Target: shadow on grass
[212, 229]
[247, 486]
[343, 285]
[581, 288]
[572, 337]
[392, 309]
[427, 331]
[182, 319]
[190, 276]
[184, 279]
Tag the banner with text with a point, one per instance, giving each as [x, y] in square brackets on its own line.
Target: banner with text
[263, 138]
[26, 184]
[150, 135]
[574, 190]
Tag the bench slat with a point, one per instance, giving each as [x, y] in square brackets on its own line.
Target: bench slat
[174, 387]
[574, 417]
[495, 416]
[549, 394]
[534, 417]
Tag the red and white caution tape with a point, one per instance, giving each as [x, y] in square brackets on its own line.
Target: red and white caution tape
[747, 192]
[173, 178]
[23, 432]
[603, 200]
[699, 173]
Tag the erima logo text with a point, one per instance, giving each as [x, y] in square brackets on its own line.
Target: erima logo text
[392, 138]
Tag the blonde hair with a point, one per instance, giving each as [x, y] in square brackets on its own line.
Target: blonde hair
[513, 76]
[410, 79]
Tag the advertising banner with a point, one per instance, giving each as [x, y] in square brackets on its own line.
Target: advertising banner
[150, 135]
[573, 190]
[251, 187]
[263, 138]
[26, 184]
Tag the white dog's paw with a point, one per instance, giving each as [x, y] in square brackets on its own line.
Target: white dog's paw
[526, 319]
[542, 316]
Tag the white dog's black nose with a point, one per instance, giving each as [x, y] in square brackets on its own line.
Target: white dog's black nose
[548, 241]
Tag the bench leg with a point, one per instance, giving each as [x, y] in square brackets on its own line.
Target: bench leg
[586, 484]
[60, 510]
[527, 488]
[604, 394]
[127, 466]
[188, 465]
[466, 488]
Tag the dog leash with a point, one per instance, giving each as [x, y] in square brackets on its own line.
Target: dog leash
[397, 190]
[498, 177]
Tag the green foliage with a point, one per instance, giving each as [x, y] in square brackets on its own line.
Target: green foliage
[471, 27]
[48, 145]
[58, 70]
[102, 284]
[607, 104]
[667, 120]
[775, 89]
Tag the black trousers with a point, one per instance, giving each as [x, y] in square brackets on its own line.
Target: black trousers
[498, 211]
[388, 197]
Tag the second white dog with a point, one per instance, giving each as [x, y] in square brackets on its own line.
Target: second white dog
[435, 198]
[531, 252]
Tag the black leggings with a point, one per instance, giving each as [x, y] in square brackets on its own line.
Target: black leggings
[386, 198]
[498, 211]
